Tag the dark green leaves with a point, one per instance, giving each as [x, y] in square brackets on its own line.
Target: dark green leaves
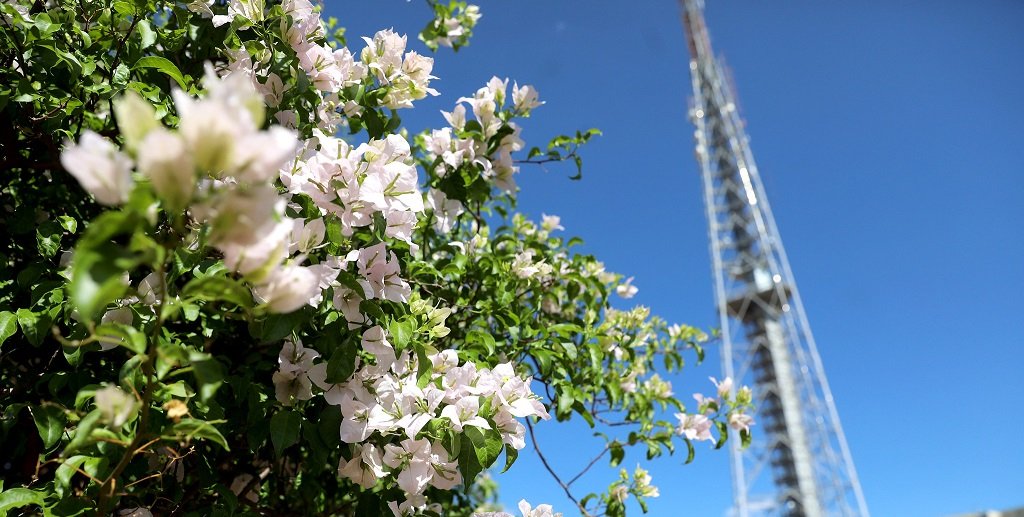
[482, 449]
[190, 428]
[19, 498]
[284, 430]
[50, 421]
[218, 288]
[342, 363]
[164, 66]
[8, 325]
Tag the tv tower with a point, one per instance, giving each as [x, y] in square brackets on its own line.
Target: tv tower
[799, 463]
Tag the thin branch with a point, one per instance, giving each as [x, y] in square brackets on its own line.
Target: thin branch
[543, 460]
[589, 465]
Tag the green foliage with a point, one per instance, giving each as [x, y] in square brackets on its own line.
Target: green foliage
[137, 369]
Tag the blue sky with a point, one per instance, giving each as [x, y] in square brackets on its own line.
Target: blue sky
[889, 138]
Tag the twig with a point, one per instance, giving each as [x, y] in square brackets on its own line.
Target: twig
[589, 465]
[543, 460]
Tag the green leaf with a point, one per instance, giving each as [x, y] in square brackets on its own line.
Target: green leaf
[401, 332]
[50, 423]
[35, 325]
[342, 363]
[19, 497]
[83, 432]
[65, 472]
[690, 452]
[483, 338]
[617, 452]
[218, 288]
[8, 325]
[163, 65]
[284, 430]
[510, 457]
[723, 434]
[190, 428]
[98, 266]
[123, 335]
[209, 374]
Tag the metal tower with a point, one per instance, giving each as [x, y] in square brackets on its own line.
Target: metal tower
[799, 463]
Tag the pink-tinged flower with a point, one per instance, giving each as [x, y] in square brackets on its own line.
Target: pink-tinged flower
[288, 288]
[741, 421]
[151, 289]
[446, 471]
[375, 342]
[307, 235]
[724, 388]
[256, 260]
[412, 458]
[100, 168]
[347, 301]
[259, 156]
[241, 216]
[694, 427]
[272, 90]
[446, 211]
[463, 413]
[399, 225]
[290, 386]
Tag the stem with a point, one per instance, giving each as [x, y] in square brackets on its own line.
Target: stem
[565, 487]
[589, 465]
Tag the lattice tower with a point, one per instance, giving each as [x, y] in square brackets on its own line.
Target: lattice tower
[799, 463]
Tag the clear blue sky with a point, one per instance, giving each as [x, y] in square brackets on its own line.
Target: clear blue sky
[889, 137]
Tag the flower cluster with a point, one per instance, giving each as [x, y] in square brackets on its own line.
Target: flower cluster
[388, 402]
[488, 141]
[697, 426]
[452, 25]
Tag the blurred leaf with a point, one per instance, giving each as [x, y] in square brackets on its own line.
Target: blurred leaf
[284, 430]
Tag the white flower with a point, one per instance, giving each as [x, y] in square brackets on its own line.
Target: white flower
[626, 290]
[288, 288]
[307, 236]
[724, 387]
[115, 406]
[524, 99]
[542, 510]
[100, 168]
[365, 467]
[694, 427]
[136, 117]
[167, 162]
[446, 211]
[550, 223]
[740, 421]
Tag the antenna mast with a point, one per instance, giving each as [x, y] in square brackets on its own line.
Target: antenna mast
[800, 464]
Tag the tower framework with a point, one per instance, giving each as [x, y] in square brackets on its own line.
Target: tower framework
[799, 463]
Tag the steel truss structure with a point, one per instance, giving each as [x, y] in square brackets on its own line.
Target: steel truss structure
[799, 463]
